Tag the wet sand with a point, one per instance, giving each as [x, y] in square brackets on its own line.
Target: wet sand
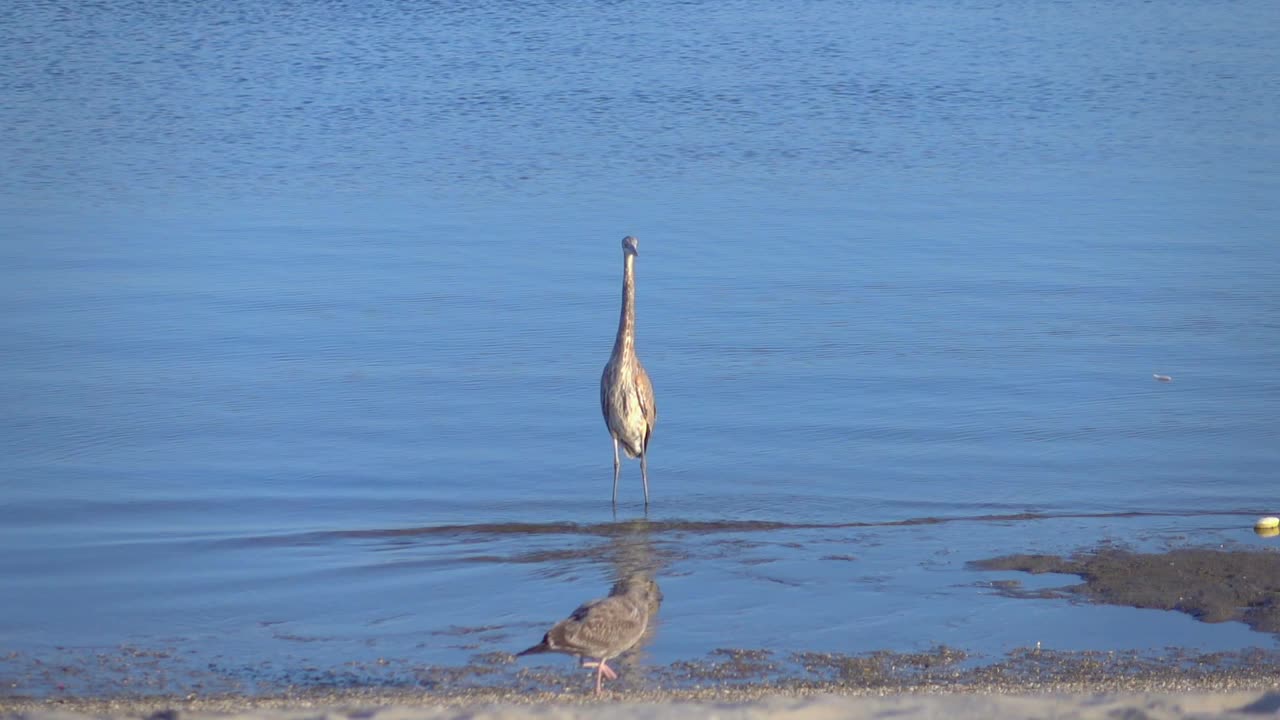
[1209, 584]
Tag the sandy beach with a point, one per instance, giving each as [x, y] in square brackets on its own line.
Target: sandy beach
[1030, 684]
[987, 703]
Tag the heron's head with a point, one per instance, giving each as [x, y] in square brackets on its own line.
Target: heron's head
[630, 246]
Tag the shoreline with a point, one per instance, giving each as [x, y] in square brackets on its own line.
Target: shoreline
[1207, 698]
[1055, 680]
[160, 683]
[104, 682]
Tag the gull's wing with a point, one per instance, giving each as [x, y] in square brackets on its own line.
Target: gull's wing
[601, 628]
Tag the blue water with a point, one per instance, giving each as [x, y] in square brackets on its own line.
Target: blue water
[273, 273]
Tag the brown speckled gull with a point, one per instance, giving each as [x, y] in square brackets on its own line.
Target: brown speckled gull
[602, 629]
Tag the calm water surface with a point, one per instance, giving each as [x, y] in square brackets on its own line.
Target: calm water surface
[301, 302]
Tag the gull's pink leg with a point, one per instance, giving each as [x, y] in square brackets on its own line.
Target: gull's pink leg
[608, 671]
[599, 670]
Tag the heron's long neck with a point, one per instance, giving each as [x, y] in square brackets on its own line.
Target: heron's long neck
[625, 343]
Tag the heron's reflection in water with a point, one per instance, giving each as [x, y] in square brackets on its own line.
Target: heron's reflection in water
[632, 552]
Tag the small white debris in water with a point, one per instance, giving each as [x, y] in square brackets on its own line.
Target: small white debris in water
[1267, 523]
[1162, 378]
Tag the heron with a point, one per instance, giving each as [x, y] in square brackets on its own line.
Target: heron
[600, 630]
[626, 395]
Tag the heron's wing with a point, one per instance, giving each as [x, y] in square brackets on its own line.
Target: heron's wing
[648, 404]
[604, 393]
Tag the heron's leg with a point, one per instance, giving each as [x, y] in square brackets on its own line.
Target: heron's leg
[615, 469]
[644, 474]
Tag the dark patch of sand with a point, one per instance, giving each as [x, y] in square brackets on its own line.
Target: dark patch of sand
[1210, 585]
